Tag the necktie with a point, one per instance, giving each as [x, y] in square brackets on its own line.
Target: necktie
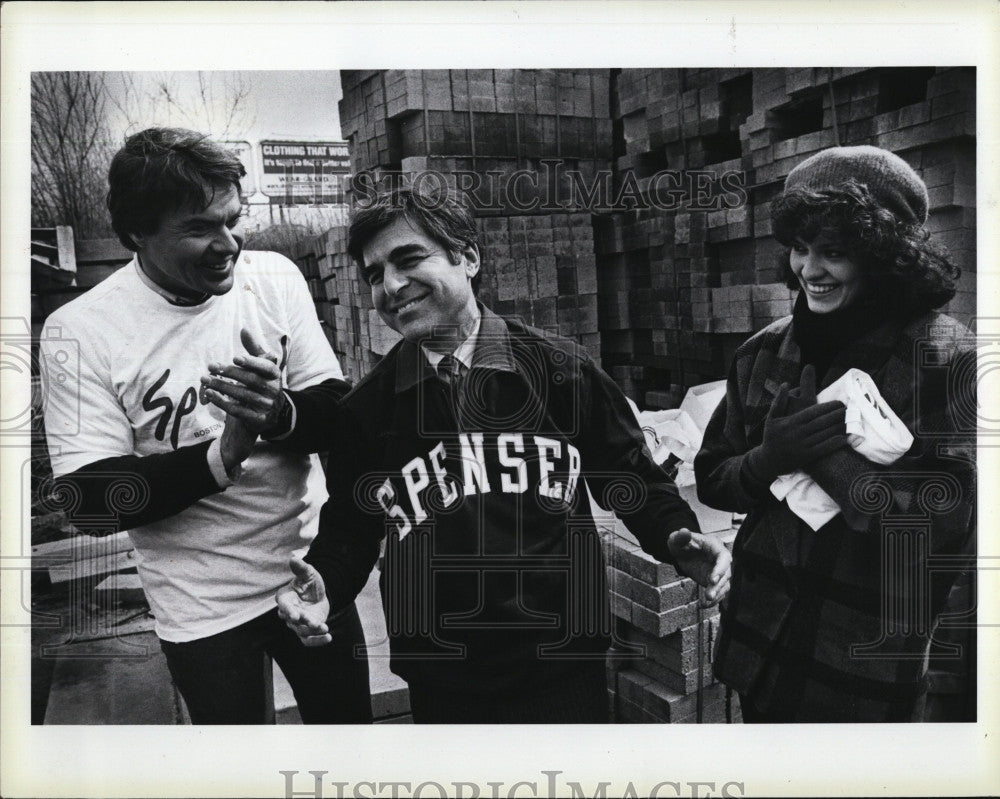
[449, 370]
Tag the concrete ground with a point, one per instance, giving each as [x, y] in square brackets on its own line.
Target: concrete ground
[99, 662]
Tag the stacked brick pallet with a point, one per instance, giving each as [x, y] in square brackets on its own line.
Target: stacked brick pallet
[680, 287]
[660, 669]
[543, 270]
[665, 259]
[343, 303]
[486, 122]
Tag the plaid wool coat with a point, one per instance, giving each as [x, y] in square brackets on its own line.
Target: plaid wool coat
[835, 625]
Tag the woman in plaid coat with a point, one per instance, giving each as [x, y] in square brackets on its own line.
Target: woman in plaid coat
[835, 624]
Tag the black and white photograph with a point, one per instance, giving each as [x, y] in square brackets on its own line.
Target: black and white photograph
[392, 371]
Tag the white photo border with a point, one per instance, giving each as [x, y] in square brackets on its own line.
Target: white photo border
[929, 759]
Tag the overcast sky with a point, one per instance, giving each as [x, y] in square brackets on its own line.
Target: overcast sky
[280, 104]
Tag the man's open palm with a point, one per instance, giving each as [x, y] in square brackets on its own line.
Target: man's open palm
[304, 606]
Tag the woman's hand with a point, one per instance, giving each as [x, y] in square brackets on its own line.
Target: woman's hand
[804, 395]
[798, 430]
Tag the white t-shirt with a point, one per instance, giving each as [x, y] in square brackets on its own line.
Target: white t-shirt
[122, 369]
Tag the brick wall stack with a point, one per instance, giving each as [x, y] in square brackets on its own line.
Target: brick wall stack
[477, 120]
[680, 288]
[542, 268]
[343, 302]
[660, 669]
[677, 287]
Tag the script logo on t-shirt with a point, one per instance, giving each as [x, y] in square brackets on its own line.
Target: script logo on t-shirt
[169, 409]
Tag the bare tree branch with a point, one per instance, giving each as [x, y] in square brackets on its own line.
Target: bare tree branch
[218, 104]
[70, 151]
[72, 144]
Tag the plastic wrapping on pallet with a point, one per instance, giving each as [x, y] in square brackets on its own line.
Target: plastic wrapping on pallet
[674, 438]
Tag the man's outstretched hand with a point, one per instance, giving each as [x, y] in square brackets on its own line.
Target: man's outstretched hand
[250, 387]
[705, 559]
[304, 606]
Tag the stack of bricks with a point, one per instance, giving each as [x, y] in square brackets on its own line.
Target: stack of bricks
[343, 303]
[488, 123]
[542, 269]
[681, 284]
[671, 116]
[680, 132]
[660, 668]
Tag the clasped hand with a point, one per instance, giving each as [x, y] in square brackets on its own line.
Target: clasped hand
[706, 560]
[249, 388]
[798, 430]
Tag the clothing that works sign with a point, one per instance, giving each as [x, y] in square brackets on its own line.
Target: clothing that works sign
[304, 172]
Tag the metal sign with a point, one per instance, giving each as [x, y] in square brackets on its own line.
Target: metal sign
[304, 172]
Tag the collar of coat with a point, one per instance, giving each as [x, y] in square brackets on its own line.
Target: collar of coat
[492, 351]
[869, 352]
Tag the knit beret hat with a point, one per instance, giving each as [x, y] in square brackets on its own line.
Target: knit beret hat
[890, 180]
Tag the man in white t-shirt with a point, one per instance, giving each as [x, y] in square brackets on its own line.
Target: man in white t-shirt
[214, 513]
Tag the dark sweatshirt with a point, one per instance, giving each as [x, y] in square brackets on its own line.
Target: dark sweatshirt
[493, 574]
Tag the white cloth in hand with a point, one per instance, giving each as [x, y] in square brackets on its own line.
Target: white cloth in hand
[873, 430]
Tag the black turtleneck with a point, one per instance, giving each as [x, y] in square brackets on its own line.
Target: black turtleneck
[821, 336]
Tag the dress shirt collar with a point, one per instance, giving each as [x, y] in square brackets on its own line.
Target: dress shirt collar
[488, 347]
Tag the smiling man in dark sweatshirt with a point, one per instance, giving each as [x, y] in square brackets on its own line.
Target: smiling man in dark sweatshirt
[466, 450]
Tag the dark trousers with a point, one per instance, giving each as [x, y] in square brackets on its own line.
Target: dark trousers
[580, 696]
[751, 715]
[225, 678]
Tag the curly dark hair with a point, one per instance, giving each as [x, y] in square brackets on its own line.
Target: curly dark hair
[445, 217]
[159, 170]
[907, 272]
